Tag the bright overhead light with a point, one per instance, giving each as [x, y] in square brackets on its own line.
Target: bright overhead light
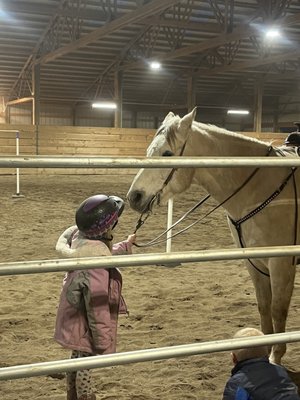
[272, 33]
[105, 104]
[155, 65]
[241, 112]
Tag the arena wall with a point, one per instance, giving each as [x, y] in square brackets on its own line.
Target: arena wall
[85, 141]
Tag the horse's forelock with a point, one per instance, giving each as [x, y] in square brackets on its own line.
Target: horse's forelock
[167, 129]
[171, 136]
[170, 131]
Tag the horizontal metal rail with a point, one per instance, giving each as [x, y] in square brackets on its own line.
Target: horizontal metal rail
[153, 162]
[162, 353]
[43, 266]
[158, 259]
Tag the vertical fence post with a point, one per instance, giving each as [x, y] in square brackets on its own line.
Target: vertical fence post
[18, 194]
[169, 233]
[169, 224]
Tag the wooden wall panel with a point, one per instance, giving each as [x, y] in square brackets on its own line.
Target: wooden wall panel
[27, 142]
[75, 141]
[85, 141]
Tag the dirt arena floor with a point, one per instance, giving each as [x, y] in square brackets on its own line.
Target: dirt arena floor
[168, 306]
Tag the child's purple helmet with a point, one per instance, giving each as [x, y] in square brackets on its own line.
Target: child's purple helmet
[98, 213]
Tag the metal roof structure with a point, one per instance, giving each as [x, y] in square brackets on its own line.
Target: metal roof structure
[213, 51]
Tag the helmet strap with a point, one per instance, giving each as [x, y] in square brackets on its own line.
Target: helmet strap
[101, 238]
[105, 238]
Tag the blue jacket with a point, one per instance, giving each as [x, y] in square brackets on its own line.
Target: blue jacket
[258, 379]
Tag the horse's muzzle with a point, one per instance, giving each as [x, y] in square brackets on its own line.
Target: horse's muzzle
[138, 202]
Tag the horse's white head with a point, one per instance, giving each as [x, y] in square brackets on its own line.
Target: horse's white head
[153, 184]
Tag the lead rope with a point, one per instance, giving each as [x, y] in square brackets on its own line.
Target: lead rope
[155, 240]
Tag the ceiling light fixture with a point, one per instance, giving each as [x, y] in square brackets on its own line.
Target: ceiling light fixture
[155, 65]
[105, 104]
[272, 33]
[240, 112]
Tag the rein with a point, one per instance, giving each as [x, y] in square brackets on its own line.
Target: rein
[237, 224]
[156, 240]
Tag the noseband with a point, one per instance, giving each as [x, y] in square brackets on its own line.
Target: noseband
[157, 195]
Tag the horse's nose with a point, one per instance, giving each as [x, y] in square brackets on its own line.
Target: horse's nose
[135, 199]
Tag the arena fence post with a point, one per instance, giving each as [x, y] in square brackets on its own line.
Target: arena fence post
[169, 224]
[18, 194]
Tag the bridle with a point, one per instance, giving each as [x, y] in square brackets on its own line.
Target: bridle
[144, 216]
[236, 223]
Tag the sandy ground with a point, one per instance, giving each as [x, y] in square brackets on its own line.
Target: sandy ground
[168, 306]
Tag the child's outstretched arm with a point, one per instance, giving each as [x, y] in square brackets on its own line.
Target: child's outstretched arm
[124, 247]
[62, 245]
[81, 247]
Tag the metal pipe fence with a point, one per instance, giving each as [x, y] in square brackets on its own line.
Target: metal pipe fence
[44, 266]
[153, 162]
[162, 353]
[158, 259]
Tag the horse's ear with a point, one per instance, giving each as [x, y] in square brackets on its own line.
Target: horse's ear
[168, 116]
[187, 120]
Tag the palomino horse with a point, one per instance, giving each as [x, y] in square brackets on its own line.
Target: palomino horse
[261, 203]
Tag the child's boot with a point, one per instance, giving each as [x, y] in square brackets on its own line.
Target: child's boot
[71, 394]
[71, 386]
[86, 396]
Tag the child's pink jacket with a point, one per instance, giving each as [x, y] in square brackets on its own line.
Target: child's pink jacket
[91, 299]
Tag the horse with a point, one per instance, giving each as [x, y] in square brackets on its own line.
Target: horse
[261, 204]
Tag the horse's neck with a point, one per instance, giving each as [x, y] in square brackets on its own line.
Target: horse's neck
[213, 141]
[222, 182]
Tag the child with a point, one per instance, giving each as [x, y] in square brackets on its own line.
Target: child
[91, 299]
[254, 377]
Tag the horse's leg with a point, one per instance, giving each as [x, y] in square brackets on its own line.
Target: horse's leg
[263, 293]
[282, 274]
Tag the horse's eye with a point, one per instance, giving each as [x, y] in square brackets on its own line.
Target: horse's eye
[168, 153]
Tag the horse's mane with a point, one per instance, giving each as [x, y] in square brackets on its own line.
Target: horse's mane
[168, 128]
[216, 130]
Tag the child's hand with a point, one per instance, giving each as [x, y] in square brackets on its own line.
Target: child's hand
[131, 238]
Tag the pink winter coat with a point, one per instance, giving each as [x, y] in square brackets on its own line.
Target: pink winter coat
[90, 300]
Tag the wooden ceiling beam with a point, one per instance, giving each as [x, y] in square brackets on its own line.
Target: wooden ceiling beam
[19, 101]
[239, 33]
[279, 76]
[147, 10]
[217, 41]
[196, 26]
[46, 10]
[242, 66]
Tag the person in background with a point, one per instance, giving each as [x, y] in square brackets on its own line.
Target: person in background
[293, 139]
[254, 377]
[90, 300]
